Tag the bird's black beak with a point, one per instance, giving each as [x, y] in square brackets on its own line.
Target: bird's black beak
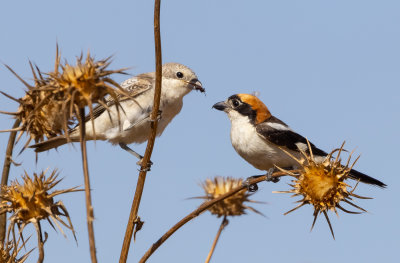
[197, 85]
[220, 106]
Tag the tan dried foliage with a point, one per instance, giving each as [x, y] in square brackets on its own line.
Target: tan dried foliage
[40, 110]
[85, 83]
[51, 105]
[32, 201]
[231, 206]
[9, 253]
[322, 184]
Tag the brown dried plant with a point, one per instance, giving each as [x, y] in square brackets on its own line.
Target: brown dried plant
[232, 206]
[39, 111]
[31, 202]
[84, 84]
[322, 184]
[51, 105]
[58, 99]
[9, 252]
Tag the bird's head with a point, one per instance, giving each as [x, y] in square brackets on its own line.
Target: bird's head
[241, 106]
[179, 80]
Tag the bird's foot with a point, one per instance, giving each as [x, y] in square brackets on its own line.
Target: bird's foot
[270, 178]
[145, 168]
[158, 116]
[247, 183]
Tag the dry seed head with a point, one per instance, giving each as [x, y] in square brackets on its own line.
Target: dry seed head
[231, 206]
[85, 83]
[39, 111]
[32, 201]
[48, 106]
[322, 184]
[43, 120]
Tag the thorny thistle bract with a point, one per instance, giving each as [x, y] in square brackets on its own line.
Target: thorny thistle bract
[32, 201]
[51, 105]
[9, 252]
[322, 184]
[40, 110]
[84, 84]
[231, 206]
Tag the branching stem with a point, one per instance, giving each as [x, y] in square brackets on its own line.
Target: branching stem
[40, 242]
[4, 177]
[203, 208]
[133, 216]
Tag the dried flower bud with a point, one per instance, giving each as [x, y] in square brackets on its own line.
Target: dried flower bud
[32, 201]
[231, 206]
[322, 184]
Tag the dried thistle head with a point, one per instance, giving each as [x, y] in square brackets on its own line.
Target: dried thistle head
[84, 84]
[322, 184]
[9, 252]
[231, 206]
[50, 106]
[39, 111]
[32, 201]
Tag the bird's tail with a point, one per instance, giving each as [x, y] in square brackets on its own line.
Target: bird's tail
[356, 175]
[51, 143]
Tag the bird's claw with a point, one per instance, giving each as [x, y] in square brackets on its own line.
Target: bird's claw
[158, 116]
[145, 168]
[270, 178]
[250, 187]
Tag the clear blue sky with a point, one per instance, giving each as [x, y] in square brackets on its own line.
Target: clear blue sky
[330, 69]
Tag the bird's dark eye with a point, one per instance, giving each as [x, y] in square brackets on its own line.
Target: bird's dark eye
[179, 74]
[235, 103]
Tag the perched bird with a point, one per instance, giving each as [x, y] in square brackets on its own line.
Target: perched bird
[133, 125]
[258, 137]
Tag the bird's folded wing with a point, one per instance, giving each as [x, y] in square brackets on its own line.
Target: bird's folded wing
[134, 87]
[277, 132]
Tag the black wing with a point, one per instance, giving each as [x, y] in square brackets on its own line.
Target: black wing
[284, 137]
[287, 138]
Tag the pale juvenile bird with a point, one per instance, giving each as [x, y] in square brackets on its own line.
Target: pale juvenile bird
[134, 126]
[258, 137]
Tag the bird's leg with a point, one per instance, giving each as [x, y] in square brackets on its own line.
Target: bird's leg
[140, 157]
[129, 150]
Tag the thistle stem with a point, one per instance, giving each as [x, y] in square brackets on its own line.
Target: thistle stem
[133, 216]
[40, 242]
[224, 223]
[89, 207]
[204, 207]
[4, 177]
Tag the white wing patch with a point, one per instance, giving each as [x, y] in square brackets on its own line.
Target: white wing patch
[302, 146]
[278, 126]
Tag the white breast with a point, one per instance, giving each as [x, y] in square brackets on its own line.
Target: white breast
[253, 148]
